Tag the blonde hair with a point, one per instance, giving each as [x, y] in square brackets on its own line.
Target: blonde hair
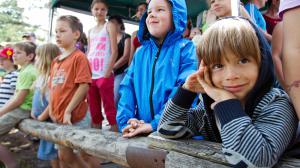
[45, 53]
[232, 34]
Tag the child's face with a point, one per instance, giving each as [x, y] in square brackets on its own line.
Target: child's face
[65, 37]
[261, 3]
[117, 24]
[99, 10]
[140, 11]
[6, 63]
[159, 20]
[21, 58]
[221, 8]
[236, 75]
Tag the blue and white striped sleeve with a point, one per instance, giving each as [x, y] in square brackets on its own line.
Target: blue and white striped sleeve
[13, 80]
[260, 141]
[178, 119]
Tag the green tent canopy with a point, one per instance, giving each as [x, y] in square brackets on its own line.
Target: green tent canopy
[125, 8]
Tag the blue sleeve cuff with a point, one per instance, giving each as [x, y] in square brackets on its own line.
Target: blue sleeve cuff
[154, 124]
[229, 110]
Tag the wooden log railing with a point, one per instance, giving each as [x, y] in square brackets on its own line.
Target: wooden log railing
[137, 151]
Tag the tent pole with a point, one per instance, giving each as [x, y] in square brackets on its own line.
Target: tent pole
[235, 7]
[51, 14]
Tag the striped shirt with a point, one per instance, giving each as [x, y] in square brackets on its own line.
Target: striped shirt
[8, 87]
[256, 141]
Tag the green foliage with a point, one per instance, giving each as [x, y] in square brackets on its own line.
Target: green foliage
[12, 25]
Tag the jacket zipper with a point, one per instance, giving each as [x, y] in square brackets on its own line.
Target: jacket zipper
[152, 83]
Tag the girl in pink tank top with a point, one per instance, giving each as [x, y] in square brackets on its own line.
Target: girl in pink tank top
[102, 53]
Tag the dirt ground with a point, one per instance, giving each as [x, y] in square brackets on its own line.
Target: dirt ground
[23, 150]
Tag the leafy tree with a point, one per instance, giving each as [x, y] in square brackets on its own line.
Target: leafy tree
[12, 25]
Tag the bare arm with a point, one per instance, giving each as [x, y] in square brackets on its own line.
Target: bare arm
[79, 95]
[112, 31]
[88, 42]
[15, 102]
[45, 115]
[267, 35]
[277, 52]
[125, 57]
[132, 47]
[291, 59]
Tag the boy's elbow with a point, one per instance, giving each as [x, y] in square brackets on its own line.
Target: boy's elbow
[18, 101]
[261, 159]
[162, 133]
[172, 133]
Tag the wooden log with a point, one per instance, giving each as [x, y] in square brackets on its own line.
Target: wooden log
[103, 144]
[111, 146]
[179, 160]
[197, 148]
[204, 151]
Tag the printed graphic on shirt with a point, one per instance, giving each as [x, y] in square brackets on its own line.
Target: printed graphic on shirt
[58, 78]
[97, 62]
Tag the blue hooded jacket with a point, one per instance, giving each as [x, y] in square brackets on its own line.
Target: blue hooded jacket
[156, 71]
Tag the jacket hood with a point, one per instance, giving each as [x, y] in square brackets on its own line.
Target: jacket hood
[266, 77]
[179, 13]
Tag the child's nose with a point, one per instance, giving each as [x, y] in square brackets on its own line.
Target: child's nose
[151, 14]
[231, 74]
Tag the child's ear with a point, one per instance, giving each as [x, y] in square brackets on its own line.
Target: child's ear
[31, 57]
[77, 35]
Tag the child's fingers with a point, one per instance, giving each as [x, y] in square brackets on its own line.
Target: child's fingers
[207, 77]
[205, 85]
[129, 134]
[126, 129]
[202, 64]
[132, 120]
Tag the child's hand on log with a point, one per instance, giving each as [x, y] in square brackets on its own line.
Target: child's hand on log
[67, 119]
[133, 123]
[143, 128]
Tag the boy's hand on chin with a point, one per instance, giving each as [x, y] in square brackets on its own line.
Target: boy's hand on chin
[215, 93]
[192, 83]
[129, 131]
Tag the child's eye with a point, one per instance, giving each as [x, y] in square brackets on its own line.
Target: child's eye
[160, 10]
[148, 12]
[244, 61]
[217, 66]
[212, 1]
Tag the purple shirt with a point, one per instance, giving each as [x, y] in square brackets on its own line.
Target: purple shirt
[285, 5]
